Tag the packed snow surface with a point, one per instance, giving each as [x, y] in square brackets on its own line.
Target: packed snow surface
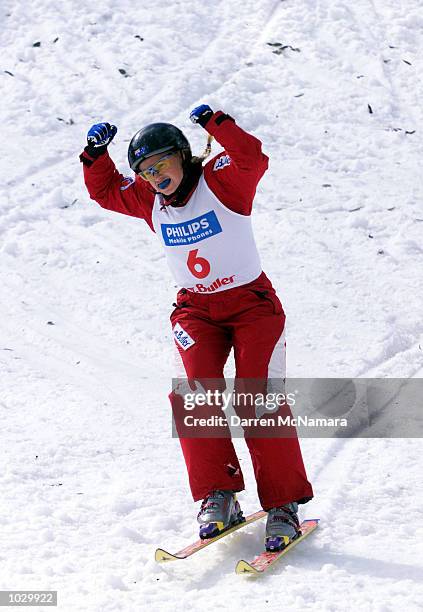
[91, 481]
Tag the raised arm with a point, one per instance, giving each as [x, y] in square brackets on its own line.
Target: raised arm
[234, 174]
[106, 185]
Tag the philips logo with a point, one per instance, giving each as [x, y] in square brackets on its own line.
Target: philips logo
[220, 163]
[192, 231]
[182, 337]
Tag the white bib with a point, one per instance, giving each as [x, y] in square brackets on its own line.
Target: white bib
[208, 247]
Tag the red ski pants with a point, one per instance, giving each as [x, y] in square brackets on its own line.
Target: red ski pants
[249, 319]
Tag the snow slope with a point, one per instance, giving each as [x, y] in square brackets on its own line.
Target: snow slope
[91, 481]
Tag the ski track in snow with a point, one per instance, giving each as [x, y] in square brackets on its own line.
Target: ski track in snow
[88, 490]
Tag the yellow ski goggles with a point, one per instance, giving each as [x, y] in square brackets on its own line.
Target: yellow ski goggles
[161, 164]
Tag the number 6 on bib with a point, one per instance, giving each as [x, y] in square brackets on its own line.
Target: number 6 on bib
[198, 266]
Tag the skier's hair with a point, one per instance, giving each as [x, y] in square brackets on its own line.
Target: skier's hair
[196, 159]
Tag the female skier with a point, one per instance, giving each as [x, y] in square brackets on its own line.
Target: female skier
[201, 215]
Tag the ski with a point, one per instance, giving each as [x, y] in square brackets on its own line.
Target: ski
[266, 559]
[162, 556]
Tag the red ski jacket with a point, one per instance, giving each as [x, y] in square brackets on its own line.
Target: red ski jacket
[232, 175]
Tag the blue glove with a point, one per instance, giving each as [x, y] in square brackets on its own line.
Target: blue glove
[99, 136]
[201, 114]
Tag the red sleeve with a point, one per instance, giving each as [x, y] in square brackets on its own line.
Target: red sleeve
[234, 174]
[127, 195]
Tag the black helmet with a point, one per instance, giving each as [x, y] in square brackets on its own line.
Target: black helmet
[156, 138]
